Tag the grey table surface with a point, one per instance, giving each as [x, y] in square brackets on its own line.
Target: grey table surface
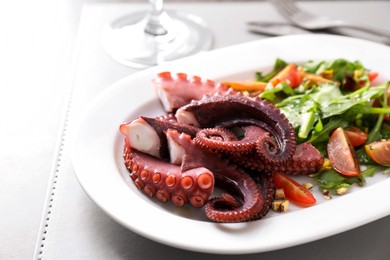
[49, 216]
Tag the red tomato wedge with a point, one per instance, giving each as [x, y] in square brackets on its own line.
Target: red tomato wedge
[372, 75]
[379, 152]
[293, 190]
[289, 75]
[356, 136]
[342, 155]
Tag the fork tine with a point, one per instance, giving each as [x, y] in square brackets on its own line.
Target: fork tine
[291, 11]
[280, 6]
[291, 6]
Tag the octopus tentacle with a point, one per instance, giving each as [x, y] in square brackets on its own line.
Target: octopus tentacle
[267, 188]
[167, 117]
[217, 137]
[176, 90]
[154, 128]
[192, 182]
[306, 160]
[222, 140]
[166, 181]
[227, 176]
[225, 208]
[248, 200]
[237, 110]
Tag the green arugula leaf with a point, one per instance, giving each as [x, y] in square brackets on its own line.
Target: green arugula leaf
[385, 131]
[305, 111]
[332, 180]
[323, 136]
[278, 66]
[343, 70]
[270, 92]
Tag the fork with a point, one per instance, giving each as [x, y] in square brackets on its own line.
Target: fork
[290, 10]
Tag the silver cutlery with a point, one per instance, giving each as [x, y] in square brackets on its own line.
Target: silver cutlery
[290, 10]
[275, 28]
[282, 28]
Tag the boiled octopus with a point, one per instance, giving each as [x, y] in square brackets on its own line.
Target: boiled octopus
[190, 174]
[213, 137]
[177, 90]
[305, 160]
[276, 143]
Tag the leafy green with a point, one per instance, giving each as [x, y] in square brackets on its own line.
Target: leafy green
[270, 92]
[323, 136]
[375, 133]
[332, 180]
[278, 66]
[308, 111]
[333, 102]
[371, 170]
[363, 157]
[343, 70]
[385, 131]
[329, 179]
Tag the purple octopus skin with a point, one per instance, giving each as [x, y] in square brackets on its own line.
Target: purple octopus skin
[306, 160]
[228, 177]
[238, 110]
[167, 181]
[266, 186]
[228, 140]
[240, 141]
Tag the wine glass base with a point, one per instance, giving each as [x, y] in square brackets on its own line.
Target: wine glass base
[126, 42]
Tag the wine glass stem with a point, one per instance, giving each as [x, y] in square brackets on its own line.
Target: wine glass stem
[154, 24]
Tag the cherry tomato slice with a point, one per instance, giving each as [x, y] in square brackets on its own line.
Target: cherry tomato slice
[293, 190]
[356, 136]
[289, 75]
[372, 75]
[379, 152]
[342, 155]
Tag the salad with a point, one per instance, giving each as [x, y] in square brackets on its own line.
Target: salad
[340, 107]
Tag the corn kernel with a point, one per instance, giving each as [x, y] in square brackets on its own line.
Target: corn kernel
[279, 194]
[308, 185]
[276, 206]
[284, 206]
[341, 191]
[326, 163]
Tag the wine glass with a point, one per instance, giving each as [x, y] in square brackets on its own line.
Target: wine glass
[144, 39]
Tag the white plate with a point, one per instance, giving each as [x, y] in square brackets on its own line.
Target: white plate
[96, 154]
